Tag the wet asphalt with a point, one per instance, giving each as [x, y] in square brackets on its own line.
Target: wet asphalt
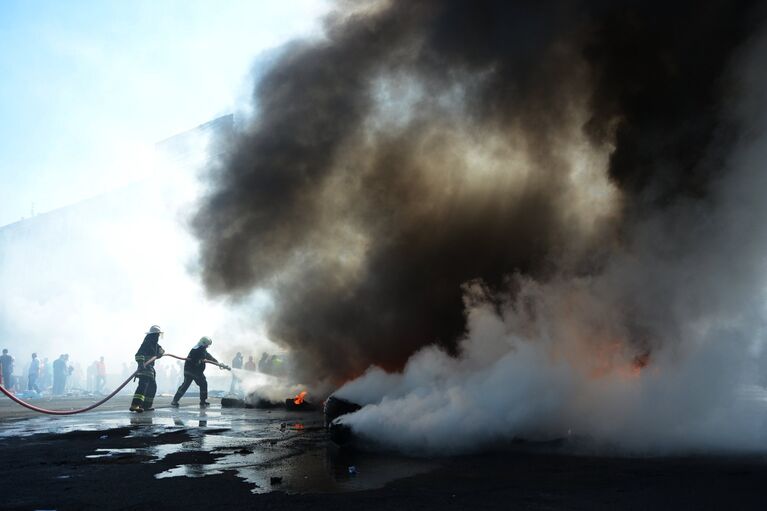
[266, 449]
[192, 458]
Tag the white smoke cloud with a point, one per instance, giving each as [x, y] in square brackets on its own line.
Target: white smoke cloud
[256, 385]
[659, 351]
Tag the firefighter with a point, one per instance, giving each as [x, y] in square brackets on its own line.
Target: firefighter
[147, 386]
[194, 371]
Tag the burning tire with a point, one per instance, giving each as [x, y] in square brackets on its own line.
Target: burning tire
[303, 406]
[299, 404]
[251, 401]
[230, 402]
[336, 407]
[340, 434]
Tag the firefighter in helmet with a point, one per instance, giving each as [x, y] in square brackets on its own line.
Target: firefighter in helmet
[147, 386]
[194, 371]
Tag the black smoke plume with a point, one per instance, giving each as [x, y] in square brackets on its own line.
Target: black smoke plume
[422, 145]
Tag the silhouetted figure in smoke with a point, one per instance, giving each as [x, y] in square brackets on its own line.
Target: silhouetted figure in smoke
[6, 365]
[47, 373]
[236, 364]
[90, 377]
[60, 374]
[101, 375]
[275, 366]
[33, 374]
[74, 376]
[147, 385]
[263, 364]
[125, 371]
[194, 371]
[250, 365]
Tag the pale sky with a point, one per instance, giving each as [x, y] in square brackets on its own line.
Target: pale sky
[86, 87]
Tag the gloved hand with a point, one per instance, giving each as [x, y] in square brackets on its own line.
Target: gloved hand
[224, 366]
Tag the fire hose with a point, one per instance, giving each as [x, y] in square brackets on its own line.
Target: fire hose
[99, 403]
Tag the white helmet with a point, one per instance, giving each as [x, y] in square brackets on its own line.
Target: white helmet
[205, 341]
[154, 329]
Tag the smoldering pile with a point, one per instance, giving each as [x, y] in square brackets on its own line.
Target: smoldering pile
[254, 400]
[267, 390]
[542, 199]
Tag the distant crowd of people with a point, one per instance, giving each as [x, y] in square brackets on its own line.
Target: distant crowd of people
[269, 364]
[62, 376]
[55, 378]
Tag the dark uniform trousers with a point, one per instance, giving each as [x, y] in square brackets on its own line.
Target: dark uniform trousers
[201, 382]
[145, 391]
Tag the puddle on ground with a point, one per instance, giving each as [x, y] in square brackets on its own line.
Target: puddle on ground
[147, 424]
[317, 470]
[107, 453]
[298, 459]
[326, 470]
[268, 450]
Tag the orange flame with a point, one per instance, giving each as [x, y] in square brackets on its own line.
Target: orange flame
[611, 358]
[299, 398]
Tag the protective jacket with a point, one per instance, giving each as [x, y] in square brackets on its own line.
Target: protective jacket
[148, 349]
[195, 361]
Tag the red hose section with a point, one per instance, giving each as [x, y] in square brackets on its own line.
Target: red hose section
[87, 408]
[183, 358]
[66, 412]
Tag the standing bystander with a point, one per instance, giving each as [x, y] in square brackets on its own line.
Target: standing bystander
[34, 373]
[6, 365]
[101, 375]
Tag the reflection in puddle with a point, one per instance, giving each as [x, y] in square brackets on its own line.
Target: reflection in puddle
[289, 448]
[159, 452]
[141, 420]
[188, 471]
[300, 469]
[106, 453]
[146, 424]
[326, 470]
[60, 425]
